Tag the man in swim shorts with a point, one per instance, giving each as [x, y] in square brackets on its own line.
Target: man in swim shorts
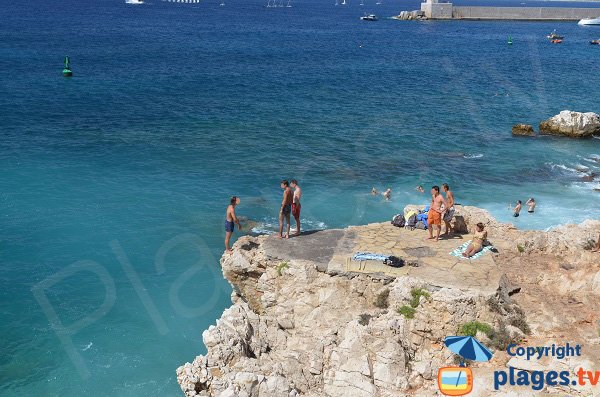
[434, 216]
[230, 221]
[286, 208]
[449, 213]
[517, 209]
[530, 205]
[296, 204]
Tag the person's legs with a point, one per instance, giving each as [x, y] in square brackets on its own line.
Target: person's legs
[280, 224]
[227, 238]
[287, 219]
[448, 228]
[438, 228]
[430, 223]
[475, 250]
[296, 214]
[467, 251]
[297, 219]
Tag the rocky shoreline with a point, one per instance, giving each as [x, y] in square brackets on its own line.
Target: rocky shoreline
[307, 320]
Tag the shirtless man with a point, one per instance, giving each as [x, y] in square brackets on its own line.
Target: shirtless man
[530, 205]
[517, 209]
[434, 217]
[296, 204]
[286, 208]
[449, 213]
[387, 195]
[230, 221]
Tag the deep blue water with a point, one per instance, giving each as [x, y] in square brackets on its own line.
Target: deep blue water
[115, 182]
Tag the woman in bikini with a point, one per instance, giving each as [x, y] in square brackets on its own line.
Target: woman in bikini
[477, 243]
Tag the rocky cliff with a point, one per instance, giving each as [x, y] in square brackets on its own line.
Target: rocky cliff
[307, 320]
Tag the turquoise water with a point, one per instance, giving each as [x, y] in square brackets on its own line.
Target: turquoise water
[115, 182]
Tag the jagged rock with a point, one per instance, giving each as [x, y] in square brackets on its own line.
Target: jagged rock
[572, 124]
[297, 333]
[523, 130]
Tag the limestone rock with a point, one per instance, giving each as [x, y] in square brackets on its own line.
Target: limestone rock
[523, 130]
[297, 333]
[572, 124]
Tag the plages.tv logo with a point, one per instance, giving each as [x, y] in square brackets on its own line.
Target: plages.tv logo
[458, 381]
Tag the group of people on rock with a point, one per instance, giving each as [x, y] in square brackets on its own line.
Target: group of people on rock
[290, 206]
[441, 210]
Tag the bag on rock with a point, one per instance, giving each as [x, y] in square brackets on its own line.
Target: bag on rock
[398, 220]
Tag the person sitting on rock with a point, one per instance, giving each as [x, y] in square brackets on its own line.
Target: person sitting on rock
[477, 243]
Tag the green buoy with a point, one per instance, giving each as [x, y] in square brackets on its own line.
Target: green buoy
[67, 70]
[509, 40]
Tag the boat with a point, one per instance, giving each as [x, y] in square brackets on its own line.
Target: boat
[370, 17]
[134, 1]
[510, 40]
[556, 41]
[589, 21]
[555, 36]
[596, 42]
[362, 2]
[67, 72]
[344, 2]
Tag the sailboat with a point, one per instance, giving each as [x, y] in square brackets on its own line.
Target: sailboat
[134, 1]
[337, 3]
[343, 2]
[289, 4]
[362, 2]
[222, 3]
[510, 40]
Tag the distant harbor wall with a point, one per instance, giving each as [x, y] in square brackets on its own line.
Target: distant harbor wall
[435, 10]
[525, 13]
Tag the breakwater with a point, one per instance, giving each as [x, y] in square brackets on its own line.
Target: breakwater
[434, 10]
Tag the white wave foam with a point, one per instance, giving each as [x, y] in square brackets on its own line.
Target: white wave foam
[473, 156]
[87, 347]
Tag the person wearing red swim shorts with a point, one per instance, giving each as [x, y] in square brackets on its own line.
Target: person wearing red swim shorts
[296, 204]
[434, 217]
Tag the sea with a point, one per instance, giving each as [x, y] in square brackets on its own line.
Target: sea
[115, 181]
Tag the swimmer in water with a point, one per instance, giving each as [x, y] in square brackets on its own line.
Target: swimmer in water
[387, 194]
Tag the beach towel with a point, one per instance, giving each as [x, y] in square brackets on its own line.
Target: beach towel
[458, 252]
[368, 256]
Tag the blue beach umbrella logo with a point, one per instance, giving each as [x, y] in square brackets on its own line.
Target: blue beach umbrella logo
[468, 348]
[458, 381]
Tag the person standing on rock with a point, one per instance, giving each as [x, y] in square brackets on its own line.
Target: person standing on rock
[296, 204]
[230, 221]
[286, 208]
[434, 216]
[449, 213]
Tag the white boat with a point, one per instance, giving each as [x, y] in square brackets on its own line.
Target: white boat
[370, 17]
[134, 1]
[589, 21]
